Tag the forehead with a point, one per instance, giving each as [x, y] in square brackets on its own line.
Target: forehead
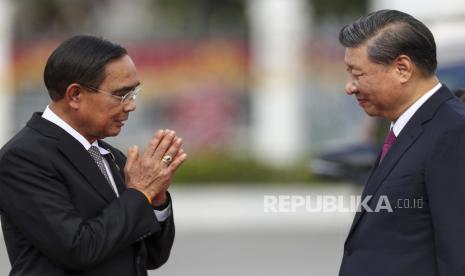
[356, 57]
[120, 72]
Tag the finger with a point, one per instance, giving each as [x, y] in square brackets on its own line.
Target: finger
[180, 151]
[153, 144]
[133, 155]
[173, 149]
[164, 145]
[177, 162]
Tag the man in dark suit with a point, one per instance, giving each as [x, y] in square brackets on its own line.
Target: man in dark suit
[412, 216]
[72, 204]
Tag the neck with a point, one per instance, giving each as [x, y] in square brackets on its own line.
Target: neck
[68, 115]
[414, 91]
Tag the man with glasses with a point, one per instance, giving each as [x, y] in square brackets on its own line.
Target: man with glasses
[70, 203]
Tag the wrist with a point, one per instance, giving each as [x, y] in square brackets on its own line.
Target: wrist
[149, 199]
[161, 202]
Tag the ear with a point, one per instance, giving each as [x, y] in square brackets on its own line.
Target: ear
[73, 95]
[403, 67]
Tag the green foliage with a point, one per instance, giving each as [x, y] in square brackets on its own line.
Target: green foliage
[203, 17]
[223, 169]
[227, 10]
[338, 8]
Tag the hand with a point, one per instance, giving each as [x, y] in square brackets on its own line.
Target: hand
[160, 199]
[148, 173]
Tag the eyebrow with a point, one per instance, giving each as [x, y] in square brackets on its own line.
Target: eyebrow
[352, 67]
[126, 88]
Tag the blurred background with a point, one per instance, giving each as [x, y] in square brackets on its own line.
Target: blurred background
[255, 88]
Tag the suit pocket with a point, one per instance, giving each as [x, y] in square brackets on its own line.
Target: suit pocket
[406, 194]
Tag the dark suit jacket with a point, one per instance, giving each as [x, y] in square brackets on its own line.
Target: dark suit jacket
[61, 217]
[424, 171]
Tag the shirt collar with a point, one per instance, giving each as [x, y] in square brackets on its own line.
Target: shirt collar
[52, 117]
[400, 123]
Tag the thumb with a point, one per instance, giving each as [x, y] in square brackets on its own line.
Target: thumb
[133, 156]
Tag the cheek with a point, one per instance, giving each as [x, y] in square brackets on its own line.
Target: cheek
[111, 116]
[110, 113]
[102, 119]
[373, 88]
[367, 84]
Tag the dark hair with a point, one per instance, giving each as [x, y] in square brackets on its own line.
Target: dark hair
[391, 33]
[79, 59]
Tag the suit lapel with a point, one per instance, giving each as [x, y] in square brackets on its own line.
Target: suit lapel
[115, 171]
[411, 132]
[402, 144]
[75, 153]
[84, 163]
[370, 175]
[373, 169]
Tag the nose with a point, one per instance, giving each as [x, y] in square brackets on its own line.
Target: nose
[351, 88]
[129, 106]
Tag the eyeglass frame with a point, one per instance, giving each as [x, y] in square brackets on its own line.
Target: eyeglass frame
[126, 98]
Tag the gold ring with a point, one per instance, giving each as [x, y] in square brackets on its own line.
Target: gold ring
[167, 159]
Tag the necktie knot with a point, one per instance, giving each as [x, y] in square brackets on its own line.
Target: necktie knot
[94, 152]
[390, 140]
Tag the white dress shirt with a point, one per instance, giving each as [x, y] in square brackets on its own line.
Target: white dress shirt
[52, 117]
[400, 123]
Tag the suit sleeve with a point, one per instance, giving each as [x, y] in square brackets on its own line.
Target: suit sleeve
[445, 183]
[35, 199]
[159, 244]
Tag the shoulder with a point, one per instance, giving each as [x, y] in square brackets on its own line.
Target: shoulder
[449, 134]
[448, 118]
[23, 157]
[454, 109]
[30, 142]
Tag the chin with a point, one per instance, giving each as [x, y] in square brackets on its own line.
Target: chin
[113, 133]
[372, 113]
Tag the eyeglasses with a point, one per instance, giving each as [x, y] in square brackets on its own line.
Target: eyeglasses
[126, 98]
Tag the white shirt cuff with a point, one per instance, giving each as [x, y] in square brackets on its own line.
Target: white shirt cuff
[162, 215]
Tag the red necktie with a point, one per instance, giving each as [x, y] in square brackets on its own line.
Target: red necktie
[390, 139]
